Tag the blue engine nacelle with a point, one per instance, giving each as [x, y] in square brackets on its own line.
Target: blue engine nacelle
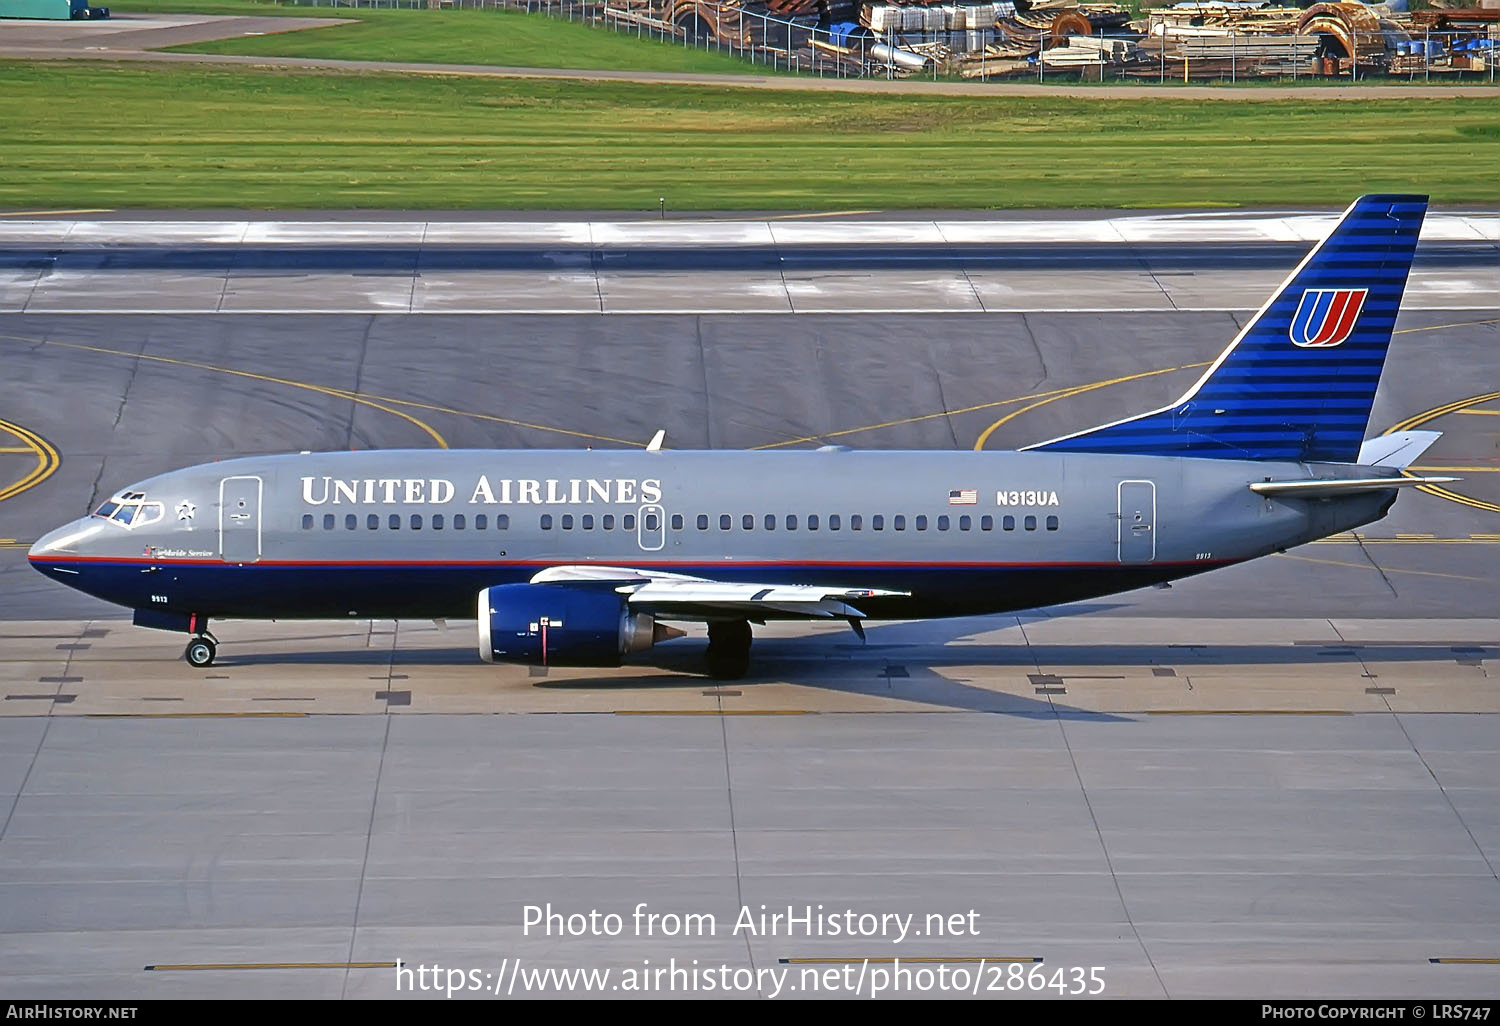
[562, 625]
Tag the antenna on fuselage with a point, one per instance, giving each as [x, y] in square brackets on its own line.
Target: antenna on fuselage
[655, 444]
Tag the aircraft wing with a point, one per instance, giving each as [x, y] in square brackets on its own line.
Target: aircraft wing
[688, 597]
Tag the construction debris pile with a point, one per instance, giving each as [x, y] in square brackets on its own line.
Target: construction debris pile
[1196, 40]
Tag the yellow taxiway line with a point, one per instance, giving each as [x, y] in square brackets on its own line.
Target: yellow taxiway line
[47, 460]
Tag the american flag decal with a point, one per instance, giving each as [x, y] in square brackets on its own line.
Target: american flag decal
[963, 497]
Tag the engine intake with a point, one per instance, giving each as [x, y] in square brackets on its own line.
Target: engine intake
[557, 625]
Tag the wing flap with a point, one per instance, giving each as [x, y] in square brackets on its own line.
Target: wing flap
[665, 592]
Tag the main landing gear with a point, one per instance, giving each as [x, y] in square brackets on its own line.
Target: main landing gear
[202, 646]
[728, 655]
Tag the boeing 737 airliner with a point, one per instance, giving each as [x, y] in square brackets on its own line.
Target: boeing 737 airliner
[581, 558]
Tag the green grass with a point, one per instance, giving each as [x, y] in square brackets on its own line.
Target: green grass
[155, 136]
[453, 36]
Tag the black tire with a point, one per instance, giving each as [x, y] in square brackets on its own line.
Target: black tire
[200, 652]
[728, 655]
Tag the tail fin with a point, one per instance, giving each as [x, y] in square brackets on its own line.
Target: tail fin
[1298, 382]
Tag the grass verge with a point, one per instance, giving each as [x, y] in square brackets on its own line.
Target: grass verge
[452, 36]
[168, 136]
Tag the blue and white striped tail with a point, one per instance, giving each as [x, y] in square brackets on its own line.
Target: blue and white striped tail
[1298, 383]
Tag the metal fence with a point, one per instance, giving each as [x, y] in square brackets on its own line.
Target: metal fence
[799, 45]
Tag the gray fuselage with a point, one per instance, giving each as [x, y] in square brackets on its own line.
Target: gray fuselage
[420, 533]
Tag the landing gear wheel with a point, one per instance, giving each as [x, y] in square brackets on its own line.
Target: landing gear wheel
[728, 655]
[200, 652]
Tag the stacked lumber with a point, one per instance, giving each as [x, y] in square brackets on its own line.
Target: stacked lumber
[1091, 51]
[1208, 18]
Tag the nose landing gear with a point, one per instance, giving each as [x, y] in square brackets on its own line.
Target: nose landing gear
[201, 650]
[202, 646]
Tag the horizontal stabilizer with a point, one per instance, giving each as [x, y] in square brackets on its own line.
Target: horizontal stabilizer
[1399, 450]
[1324, 487]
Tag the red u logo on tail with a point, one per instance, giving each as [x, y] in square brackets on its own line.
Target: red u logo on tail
[1326, 317]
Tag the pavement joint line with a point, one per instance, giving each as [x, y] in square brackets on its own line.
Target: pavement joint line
[1251, 712]
[192, 715]
[713, 712]
[224, 966]
[1464, 961]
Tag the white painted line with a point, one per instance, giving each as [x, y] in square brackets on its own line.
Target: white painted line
[690, 311]
[1301, 228]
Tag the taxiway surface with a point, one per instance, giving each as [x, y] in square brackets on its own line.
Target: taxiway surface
[1273, 780]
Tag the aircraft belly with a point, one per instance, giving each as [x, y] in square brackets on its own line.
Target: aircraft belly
[264, 591]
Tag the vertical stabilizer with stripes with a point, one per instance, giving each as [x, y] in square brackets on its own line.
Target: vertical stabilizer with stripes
[1299, 381]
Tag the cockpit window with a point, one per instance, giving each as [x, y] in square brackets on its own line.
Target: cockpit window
[131, 510]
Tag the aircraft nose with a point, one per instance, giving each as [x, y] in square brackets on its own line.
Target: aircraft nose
[65, 540]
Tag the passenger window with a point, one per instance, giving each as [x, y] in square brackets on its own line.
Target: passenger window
[676, 521]
[943, 523]
[770, 521]
[372, 522]
[833, 521]
[965, 522]
[748, 522]
[481, 521]
[703, 521]
[395, 522]
[567, 522]
[628, 521]
[350, 522]
[458, 521]
[877, 522]
[725, 523]
[546, 521]
[608, 523]
[1030, 523]
[653, 522]
[921, 523]
[588, 521]
[502, 521]
[791, 521]
[986, 523]
[898, 522]
[1008, 523]
[307, 521]
[1051, 523]
[856, 521]
[416, 521]
[437, 521]
[812, 521]
[328, 521]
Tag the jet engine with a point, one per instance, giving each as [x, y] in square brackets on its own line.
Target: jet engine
[563, 625]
